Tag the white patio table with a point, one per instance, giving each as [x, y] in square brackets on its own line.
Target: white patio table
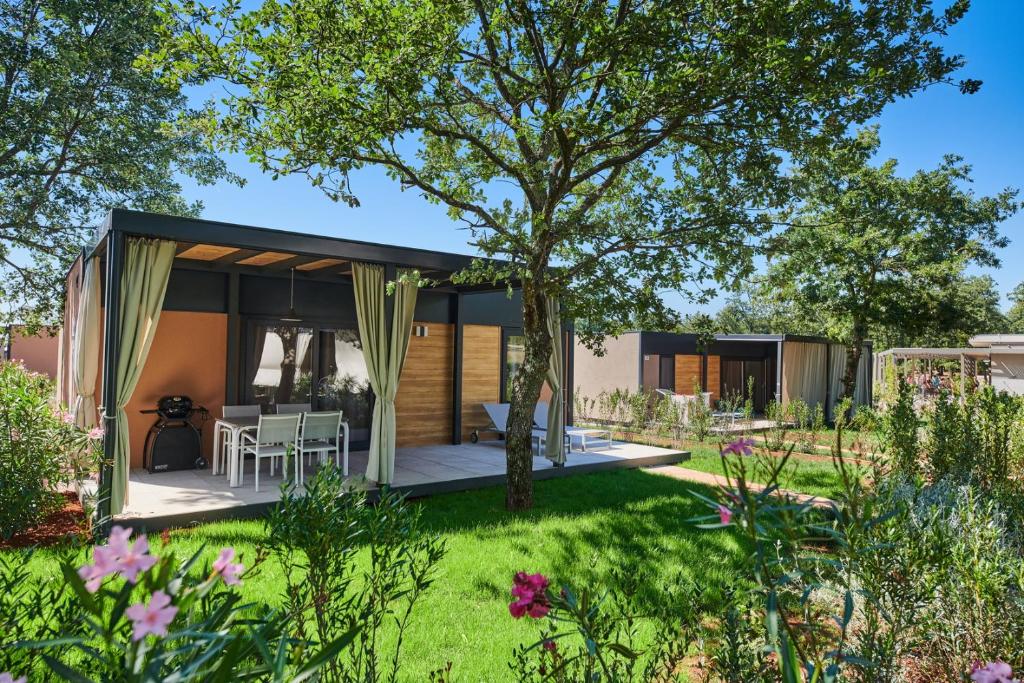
[239, 425]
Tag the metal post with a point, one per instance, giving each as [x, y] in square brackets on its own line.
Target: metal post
[111, 352]
[457, 315]
[778, 372]
[233, 365]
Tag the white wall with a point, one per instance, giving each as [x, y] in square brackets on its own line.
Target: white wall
[1008, 373]
[618, 368]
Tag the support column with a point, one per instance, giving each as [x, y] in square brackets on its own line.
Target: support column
[457, 318]
[233, 369]
[778, 372]
[111, 353]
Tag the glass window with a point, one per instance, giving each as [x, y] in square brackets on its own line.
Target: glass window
[515, 355]
[344, 382]
[281, 365]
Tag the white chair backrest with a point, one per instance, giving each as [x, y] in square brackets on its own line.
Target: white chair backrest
[290, 408]
[323, 425]
[274, 429]
[241, 411]
[540, 415]
[498, 412]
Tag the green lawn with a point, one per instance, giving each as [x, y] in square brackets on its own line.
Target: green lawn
[816, 477]
[582, 527]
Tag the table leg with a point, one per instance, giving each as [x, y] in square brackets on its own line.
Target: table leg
[233, 450]
[216, 447]
[344, 462]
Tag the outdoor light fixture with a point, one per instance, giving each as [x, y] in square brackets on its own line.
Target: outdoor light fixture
[292, 316]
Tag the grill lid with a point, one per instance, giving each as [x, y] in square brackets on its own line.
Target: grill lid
[174, 407]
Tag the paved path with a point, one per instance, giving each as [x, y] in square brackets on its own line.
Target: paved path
[709, 479]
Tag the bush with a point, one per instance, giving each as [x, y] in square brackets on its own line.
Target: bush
[316, 535]
[898, 432]
[40, 450]
[132, 616]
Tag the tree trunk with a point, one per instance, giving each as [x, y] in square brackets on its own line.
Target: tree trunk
[526, 386]
[853, 355]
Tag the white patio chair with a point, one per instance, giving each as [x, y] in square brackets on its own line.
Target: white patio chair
[275, 434]
[222, 436]
[292, 408]
[320, 434]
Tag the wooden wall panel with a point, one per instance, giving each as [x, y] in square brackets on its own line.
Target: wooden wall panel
[481, 375]
[688, 372]
[423, 406]
[714, 376]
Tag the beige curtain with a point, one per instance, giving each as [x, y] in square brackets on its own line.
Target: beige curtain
[384, 358]
[554, 448]
[85, 346]
[803, 372]
[147, 267]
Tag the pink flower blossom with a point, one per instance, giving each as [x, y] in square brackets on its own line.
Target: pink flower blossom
[117, 557]
[95, 433]
[104, 564]
[529, 591]
[131, 562]
[724, 514]
[67, 417]
[9, 678]
[152, 618]
[740, 446]
[228, 571]
[992, 672]
[550, 645]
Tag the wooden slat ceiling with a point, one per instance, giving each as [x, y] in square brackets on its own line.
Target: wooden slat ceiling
[265, 259]
[319, 264]
[206, 252]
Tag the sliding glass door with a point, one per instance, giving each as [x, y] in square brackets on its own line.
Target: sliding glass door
[309, 363]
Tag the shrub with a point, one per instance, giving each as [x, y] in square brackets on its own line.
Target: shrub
[898, 432]
[40, 449]
[597, 635]
[316, 535]
[775, 435]
[131, 616]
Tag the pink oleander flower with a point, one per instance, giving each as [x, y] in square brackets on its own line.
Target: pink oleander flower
[152, 618]
[67, 418]
[740, 446]
[95, 433]
[992, 672]
[550, 645]
[724, 514]
[530, 591]
[104, 564]
[228, 571]
[9, 678]
[135, 560]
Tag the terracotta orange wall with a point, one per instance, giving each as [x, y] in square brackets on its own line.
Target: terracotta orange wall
[188, 356]
[39, 353]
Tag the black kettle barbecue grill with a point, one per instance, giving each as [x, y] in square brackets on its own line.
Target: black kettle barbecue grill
[175, 441]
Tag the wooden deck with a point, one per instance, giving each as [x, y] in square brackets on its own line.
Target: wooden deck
[176, 499]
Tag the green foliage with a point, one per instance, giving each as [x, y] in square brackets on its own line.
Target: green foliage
[82, 130]
[316, 533]
[55, 628]
[898, 435]
[39, 450]
[867, 249]
[980, 440]
[1015, 316]
[778, 416]
[597, 635]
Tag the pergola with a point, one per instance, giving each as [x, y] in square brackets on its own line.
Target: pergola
[968, 358]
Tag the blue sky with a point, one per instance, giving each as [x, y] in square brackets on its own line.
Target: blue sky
[987, 129]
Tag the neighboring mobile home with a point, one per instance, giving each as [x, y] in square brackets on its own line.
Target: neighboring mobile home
[1001, 357]
[37, 352]
[238, 315]
[783, 367]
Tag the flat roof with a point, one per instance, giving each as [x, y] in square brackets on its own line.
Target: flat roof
[936, 352]
[203, 242]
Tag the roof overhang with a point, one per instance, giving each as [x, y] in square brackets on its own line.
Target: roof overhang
[217, 245]
[936, 352]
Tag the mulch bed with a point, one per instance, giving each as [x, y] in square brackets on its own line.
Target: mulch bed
[64, 525]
